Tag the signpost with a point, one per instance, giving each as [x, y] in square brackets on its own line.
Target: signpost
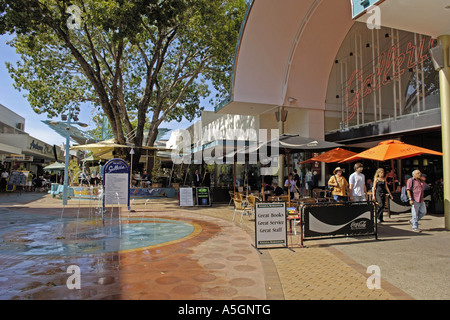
[203, 196]
[186, 197]
[270, 225]
[116, 183]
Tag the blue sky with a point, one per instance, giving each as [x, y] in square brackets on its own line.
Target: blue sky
[14, 100]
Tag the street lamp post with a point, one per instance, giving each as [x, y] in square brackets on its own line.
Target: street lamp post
[67, 157]
[66, 163]
[131, 166]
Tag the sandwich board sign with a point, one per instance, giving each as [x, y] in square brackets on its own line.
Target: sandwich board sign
[116, 183]
[18, 178]
[270, 225]
[186, 197]
[203, 196]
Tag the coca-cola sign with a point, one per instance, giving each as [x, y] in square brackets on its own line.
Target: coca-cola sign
[360, 225]
[346, 219]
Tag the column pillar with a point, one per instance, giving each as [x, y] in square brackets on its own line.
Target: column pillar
[281, 156]
[444, 80]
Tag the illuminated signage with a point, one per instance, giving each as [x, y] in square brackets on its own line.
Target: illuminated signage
[390, 66]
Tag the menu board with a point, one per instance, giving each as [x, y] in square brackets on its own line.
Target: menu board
[18, 178]
[203, 198]
[270, 225]
[186, 197]
[116, 183]
[116, 188]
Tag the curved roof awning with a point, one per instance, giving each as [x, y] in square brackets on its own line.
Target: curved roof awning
[287, 48]
[285, 54]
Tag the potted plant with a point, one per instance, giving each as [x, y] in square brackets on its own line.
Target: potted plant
[157, 174]
[178, 177]
[437, 197]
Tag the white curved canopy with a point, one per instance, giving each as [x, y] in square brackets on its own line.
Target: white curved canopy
[287, 48]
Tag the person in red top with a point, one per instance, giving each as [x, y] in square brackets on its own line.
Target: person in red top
[414, 189]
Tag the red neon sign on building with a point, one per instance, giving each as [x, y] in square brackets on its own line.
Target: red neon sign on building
[390, 66]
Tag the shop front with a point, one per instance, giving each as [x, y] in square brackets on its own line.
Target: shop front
[34, 153]
[348, 71]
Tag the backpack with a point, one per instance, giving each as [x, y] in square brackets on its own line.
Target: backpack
[404, 195]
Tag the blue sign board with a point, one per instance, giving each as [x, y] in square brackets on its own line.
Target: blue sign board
[359, 7]
[116, 183]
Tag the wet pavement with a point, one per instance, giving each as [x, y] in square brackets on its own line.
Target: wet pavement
[163, 252]
[146, 257]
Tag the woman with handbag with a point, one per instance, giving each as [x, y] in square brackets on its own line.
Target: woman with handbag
[380, 189]
[339, 185]
[291, 185]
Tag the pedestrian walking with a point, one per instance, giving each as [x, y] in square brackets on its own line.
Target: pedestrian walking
[339, 184]
[414, 189]
[291, 186]
[380, 189]
[357, 180]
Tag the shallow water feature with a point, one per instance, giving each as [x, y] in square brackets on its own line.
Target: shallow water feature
[26, 234]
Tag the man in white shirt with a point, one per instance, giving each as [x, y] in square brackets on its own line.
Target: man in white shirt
[3, 179]
[357, 183]
[5, 175]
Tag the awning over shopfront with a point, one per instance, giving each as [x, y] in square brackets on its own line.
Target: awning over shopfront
[295, 143]
[285, 53]
[7, 149]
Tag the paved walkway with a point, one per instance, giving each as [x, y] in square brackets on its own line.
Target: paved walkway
[218, 261]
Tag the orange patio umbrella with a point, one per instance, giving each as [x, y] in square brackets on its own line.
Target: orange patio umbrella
[390, 150]
[332, 156]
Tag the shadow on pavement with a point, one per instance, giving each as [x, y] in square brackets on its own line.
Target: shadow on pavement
[21, 197]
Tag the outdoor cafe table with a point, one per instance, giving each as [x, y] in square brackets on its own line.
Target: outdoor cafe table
[322, 194]
[278, 198]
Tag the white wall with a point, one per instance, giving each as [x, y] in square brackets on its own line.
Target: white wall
[10, 118]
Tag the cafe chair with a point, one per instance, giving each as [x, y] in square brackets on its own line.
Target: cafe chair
[240, 206]
[231, 193]
[309, 200]
[252, 204]
[316, 193]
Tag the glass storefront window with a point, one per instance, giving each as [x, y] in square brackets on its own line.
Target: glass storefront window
[380, 75]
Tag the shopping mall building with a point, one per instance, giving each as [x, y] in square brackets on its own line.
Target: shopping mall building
[355, 72]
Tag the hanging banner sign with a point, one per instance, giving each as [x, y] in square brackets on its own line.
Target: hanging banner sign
[116, 183]
[270, 225]
[186, 197]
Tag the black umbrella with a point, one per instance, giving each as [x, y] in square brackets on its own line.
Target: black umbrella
[297, 143]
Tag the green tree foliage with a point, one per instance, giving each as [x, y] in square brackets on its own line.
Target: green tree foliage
[137, 62]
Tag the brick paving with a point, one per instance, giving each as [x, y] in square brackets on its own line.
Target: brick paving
[219, 260]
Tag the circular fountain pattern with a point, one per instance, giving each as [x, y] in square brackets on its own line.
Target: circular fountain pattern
[54, 237]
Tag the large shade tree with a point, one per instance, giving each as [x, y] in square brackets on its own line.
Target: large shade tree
[137, 62]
